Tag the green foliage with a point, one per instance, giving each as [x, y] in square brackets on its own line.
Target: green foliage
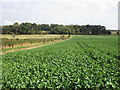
[108, 32]
[32, 28]
[81, 62]
[69, 35]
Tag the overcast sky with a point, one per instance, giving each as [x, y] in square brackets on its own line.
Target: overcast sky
[82, 12]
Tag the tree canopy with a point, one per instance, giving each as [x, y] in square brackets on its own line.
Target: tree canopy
[33, 28]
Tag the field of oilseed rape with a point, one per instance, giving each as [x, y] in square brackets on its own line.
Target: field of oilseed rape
[89, 62]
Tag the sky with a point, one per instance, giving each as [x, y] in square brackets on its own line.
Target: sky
[81, 12]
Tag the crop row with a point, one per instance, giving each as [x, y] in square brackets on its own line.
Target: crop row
[81, 62]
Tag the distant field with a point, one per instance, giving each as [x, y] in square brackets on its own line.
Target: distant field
[81, 62]
[31, 36]
[114, 33]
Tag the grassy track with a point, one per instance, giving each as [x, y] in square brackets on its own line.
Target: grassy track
[81, 62]
[8, 42]
[8, 50]
[30, 36]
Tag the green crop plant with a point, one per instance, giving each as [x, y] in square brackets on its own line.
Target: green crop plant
[88, 62]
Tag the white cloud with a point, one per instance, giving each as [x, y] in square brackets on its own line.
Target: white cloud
[7, 22]
[11, 23]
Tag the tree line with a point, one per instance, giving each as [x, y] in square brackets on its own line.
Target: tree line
[33, 28]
